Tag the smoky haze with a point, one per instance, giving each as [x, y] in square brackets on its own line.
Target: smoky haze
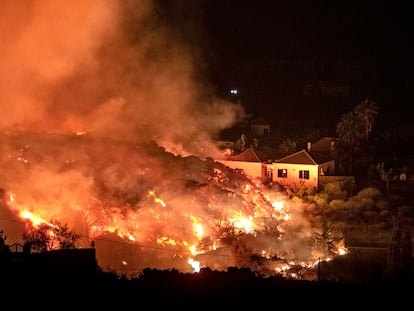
[111, 68]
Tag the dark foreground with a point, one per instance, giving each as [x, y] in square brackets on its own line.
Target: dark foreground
[238, 288]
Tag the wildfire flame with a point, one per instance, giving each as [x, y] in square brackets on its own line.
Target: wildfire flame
[198, 229]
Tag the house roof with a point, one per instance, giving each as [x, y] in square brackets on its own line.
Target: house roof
[321, 156]
[322, 150]
[323, 144]
[300, 157]
[252, 154]
[248, 155]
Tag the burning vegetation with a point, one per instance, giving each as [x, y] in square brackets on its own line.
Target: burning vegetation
[144, 207]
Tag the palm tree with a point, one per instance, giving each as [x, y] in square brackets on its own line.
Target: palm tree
[367, 111]
[354, 127]
[349, 131]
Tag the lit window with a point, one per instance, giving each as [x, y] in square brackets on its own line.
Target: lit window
[304, 174]
[282, 173]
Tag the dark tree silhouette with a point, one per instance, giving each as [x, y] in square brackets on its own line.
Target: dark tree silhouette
[394, 250]
[406, 252]
[349, 131]
[399, 253]
[366, 112]
[353, 128]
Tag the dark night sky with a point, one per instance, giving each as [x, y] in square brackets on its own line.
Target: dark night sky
[271, 49]
[310, 29]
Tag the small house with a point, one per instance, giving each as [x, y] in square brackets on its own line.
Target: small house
[249, 161]
[296, 170]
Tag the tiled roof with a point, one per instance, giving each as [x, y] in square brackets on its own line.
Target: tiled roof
[248, 155]
[321, 156]
[300, 157]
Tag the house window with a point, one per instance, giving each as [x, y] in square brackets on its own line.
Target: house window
[303, 174]
[282, 173]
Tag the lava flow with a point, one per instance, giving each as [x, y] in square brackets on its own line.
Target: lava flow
[144, 207]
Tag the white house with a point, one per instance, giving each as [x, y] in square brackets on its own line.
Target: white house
[249, 162]
[304, 169]
[296, 170]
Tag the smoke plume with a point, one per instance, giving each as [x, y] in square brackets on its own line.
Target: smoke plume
[112, 68]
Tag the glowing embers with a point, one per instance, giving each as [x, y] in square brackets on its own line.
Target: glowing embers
[242, 223]
[188, 216]
[156, 199]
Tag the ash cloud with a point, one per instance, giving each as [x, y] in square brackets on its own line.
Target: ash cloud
[112, 68]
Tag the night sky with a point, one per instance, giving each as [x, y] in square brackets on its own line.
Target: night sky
[271, 50]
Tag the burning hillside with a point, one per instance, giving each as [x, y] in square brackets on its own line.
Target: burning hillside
[145, 207]
[108, 126]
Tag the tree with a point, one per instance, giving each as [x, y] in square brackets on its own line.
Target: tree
[386, 176]
[366, 112]
[394, 250]
[241, 142]
[348, 130]
[46, 237]
[3, 239]
[287, 146]
[353, 127]
[406, 251]
[399, 258]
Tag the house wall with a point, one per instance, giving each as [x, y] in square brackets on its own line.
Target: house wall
[252, 169]
[327, 168]
[292, 179]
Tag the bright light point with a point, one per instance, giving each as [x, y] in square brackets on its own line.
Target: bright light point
[341, 251]
[278, 205]
[194, 264]
[242, 223]
[199, 230]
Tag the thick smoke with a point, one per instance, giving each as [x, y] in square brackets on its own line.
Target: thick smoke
[111, 68]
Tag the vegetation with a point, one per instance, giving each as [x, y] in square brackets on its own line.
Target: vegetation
[354, 127]
[46, 237]
[287, 147]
